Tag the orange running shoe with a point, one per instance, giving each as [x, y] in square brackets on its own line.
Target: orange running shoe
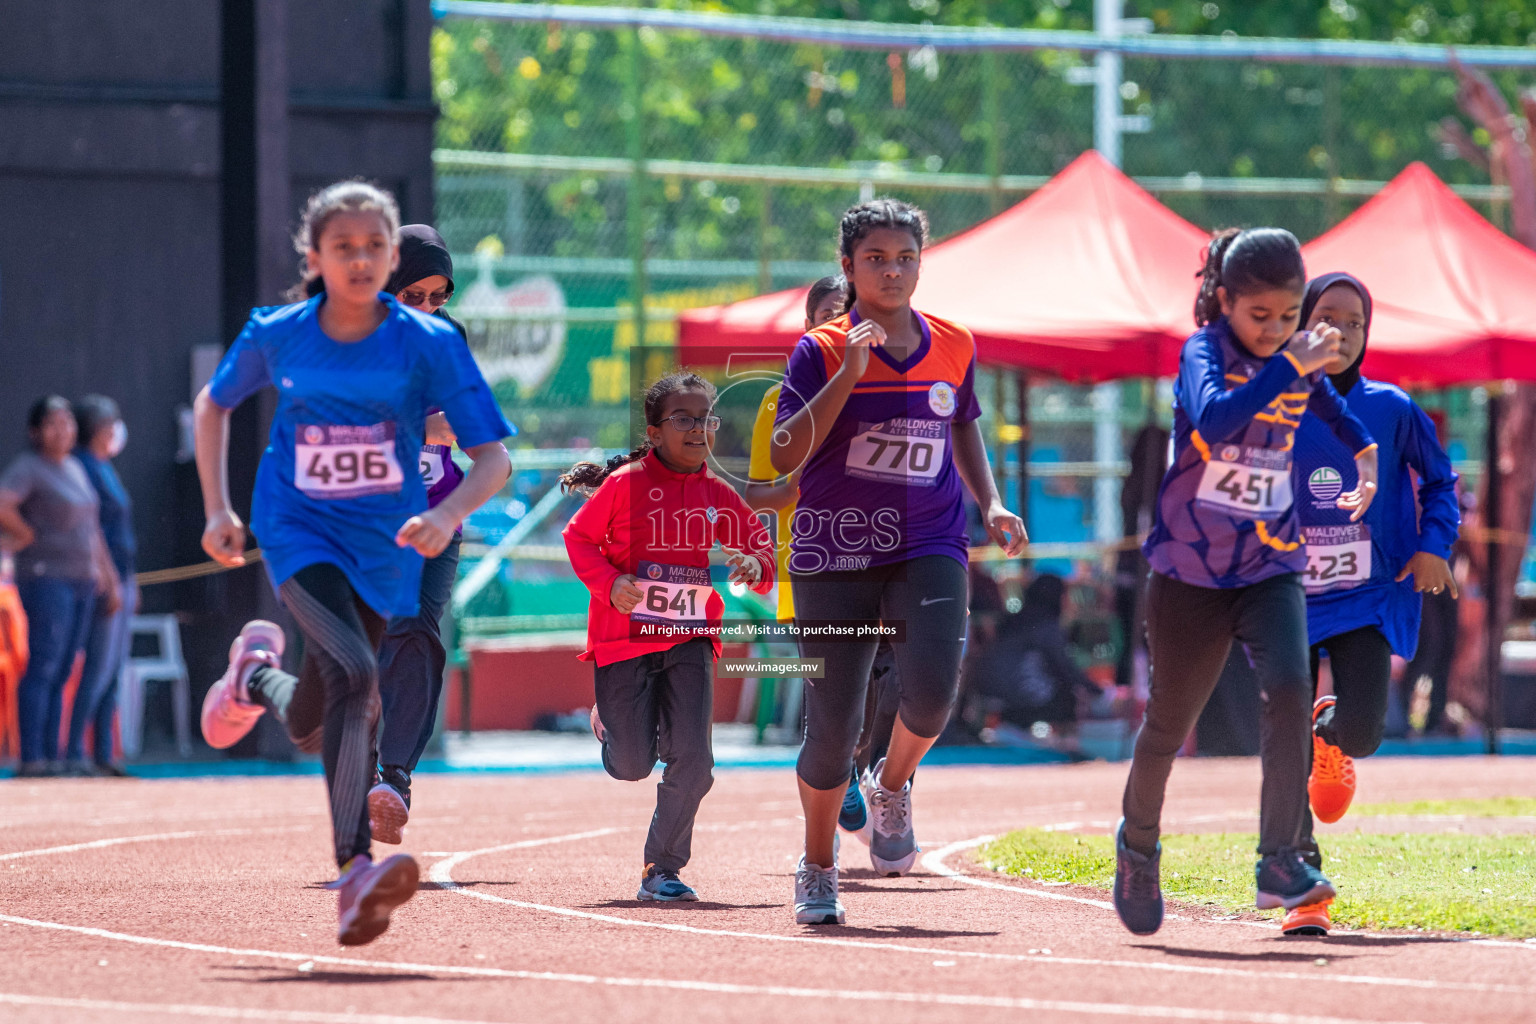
[1331, 786]
[1308, 919]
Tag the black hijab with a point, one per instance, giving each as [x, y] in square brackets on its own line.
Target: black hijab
[1346, 379]
[423, 253]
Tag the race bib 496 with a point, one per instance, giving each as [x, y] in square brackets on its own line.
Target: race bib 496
[332, 461]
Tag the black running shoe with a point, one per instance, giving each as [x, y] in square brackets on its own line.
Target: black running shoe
[1285, 880]
[1138, 886]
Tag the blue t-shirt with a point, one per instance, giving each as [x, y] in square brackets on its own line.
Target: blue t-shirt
[116, 511]
[1225, 515]
[340, 475]
[882, 487]
[1352, 567]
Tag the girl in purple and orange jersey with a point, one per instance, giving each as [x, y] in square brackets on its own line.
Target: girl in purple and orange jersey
[1226, 553]
[878, 406]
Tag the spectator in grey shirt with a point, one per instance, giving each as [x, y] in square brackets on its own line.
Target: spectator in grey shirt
[49, 518]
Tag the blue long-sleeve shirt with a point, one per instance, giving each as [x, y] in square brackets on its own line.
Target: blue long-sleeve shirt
[1225, 514]
[1352, 567]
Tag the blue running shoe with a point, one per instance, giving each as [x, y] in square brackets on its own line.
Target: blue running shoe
[1285, 880]
[854, 817]
[664, 887]
[1138, 886]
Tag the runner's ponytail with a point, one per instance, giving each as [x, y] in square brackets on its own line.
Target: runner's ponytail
[1248, 261]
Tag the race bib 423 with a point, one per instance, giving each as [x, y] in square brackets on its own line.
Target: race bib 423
[1338, 557]
[333, 461]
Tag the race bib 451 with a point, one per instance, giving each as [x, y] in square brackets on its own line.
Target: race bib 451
[1254, 483]
[332, 461]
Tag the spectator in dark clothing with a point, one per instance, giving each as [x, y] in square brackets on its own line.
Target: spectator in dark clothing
[102, 437]
[1029, 675]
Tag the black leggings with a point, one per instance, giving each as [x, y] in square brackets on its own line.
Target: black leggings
[333, 703]
[928, 596]
[1361, 663]
[1190, 630]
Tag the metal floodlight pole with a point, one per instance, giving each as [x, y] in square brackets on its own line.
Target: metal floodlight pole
[635, 129]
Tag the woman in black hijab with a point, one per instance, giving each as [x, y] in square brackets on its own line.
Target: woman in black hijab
[412, 657]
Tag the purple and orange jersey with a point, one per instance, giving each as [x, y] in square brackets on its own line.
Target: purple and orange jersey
[882, 487]
[1225, 513]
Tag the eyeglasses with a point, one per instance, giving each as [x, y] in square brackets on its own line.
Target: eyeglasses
[686, 423]
[416, 297]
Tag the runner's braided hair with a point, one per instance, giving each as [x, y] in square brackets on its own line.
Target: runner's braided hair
[588, 476]
[860, 220]
[1247, 261]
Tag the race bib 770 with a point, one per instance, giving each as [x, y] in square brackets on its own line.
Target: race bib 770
[336, 461]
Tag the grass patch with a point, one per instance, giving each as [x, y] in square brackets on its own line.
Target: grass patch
[1497, 807]
[1449, 883]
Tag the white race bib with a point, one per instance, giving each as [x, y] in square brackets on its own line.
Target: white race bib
[899, 451]
[1338, 557]
[432, 469]
[333, 461]
[1254, 483]
[675, 594]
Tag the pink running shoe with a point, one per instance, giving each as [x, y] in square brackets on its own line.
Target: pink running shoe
[369, 892]
[228, 712]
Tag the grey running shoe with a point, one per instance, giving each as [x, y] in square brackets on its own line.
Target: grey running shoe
[816, 899]
[1285, 880]
[664, 887]
[1138, 886]
[892, 843]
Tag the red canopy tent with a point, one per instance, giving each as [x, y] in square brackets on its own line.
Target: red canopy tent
[1090, 278]
[1455, 297]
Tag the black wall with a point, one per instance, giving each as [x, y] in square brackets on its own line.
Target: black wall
[124, 241]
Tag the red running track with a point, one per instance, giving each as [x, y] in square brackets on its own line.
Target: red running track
[198, 900]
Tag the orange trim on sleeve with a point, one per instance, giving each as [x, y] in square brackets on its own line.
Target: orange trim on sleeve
[1367, 448]
[1274, 542]
[1200, 445]
[1295, 362]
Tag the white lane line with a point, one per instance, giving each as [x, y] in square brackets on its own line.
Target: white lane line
[162, 1010]
[442, 874]
[877, 997]
[99, 844]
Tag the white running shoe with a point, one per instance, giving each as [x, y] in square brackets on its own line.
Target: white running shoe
[228, 712]
[893, 845]
[816, 899]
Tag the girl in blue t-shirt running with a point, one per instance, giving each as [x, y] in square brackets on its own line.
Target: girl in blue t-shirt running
[339, 508]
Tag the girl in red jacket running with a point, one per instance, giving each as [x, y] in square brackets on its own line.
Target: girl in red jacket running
[641, 544]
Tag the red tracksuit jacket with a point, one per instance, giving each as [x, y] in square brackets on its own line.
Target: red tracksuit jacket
[659, 525]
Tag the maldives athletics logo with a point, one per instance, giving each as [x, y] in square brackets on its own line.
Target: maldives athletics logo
[1325, 483]
[941, 399]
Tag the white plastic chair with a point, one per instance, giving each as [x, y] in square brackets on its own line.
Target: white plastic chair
[166, 665]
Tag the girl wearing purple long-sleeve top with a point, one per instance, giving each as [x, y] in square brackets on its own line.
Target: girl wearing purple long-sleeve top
[1227, 555]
